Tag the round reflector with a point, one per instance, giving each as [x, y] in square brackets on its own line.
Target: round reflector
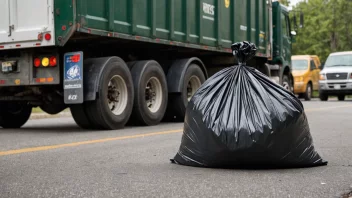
[36, 62]
[40, 37]
[52, 61]
[45, 62]
[47, 36]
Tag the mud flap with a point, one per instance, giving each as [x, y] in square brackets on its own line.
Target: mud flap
[73, 78]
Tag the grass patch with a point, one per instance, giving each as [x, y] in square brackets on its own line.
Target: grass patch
[315, 94]
[39, 110]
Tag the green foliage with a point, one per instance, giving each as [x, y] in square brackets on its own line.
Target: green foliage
[285, 2]
[327, 27]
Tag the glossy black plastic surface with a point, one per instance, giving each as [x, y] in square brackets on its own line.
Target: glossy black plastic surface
[239, 117]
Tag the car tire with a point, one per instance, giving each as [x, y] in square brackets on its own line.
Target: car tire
[323, 97]
[341, 97]
[308, 93]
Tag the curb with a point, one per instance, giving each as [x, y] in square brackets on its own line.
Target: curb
[35, 116]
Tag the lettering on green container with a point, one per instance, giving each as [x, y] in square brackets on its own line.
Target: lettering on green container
[208, 9]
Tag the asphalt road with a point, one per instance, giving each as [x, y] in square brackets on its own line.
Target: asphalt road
[55, 158]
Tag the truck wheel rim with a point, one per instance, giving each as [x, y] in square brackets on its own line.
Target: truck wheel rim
[117, 95]
[193, 85]
[286, 86]
[153, 94]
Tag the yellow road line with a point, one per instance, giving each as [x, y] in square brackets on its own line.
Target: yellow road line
[74, 144]
[43, 148]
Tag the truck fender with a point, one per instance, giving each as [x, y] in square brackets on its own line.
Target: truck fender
[92, 71]
[267, 69]
[177, 71]
[286, 70]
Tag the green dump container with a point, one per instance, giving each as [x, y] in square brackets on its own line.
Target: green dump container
[215, 23]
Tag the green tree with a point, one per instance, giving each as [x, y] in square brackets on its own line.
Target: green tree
[285, 2]
[327, 27]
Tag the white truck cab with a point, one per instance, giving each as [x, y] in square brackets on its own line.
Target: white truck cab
[336, 76]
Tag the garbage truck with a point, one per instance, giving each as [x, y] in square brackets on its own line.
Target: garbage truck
[120, 62]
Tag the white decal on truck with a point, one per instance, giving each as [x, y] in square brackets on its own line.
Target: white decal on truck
[73, 86]
[242, 27]
[208, 8]
[74, 73]
[72, 97]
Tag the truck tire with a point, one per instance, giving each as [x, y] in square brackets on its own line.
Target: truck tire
[14, 115]
[193, 79]
[151, 93]
[286, 83]
[113, 105]
[80, 117]
[308, 93]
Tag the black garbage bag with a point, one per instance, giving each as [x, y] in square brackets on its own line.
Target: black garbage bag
[240, 118]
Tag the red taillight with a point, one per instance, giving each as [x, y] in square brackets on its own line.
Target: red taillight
[47, 36]
[52, 61]
[40, 80]
[76, 58]
[36, 62]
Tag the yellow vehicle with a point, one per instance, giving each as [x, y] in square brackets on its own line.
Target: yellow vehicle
[305, 70]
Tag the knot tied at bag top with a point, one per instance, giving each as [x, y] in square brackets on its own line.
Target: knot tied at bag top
[243, 51]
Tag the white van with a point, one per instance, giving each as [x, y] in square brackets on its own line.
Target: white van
[336, 76]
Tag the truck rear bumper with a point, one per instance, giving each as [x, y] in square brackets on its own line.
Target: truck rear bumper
[24, 45]
[21, 70]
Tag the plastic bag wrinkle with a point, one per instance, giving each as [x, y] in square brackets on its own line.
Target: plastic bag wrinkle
[240, 118]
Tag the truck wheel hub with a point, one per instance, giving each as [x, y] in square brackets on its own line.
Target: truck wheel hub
[153, 94]
[286, 86]
[193, 85]
[117, 95]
